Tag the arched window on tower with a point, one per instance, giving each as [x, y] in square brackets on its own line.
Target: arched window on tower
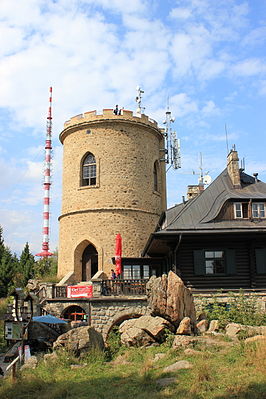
[156, 176]
[89, 170]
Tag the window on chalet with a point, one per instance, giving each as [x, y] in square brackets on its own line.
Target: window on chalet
[241, 210]
[131, 272]
[258, 210]
[89, 170]
[214, 262]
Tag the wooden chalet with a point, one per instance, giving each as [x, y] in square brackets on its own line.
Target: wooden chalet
[217, 239]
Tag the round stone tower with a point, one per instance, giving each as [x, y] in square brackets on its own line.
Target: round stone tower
[113, 182]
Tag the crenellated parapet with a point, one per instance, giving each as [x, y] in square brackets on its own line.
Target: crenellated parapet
[109, 114]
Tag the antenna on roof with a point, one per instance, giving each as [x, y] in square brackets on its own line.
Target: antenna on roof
[242, 164]
[140, 109]
[172, 152]
[226, 137]
[204, 178]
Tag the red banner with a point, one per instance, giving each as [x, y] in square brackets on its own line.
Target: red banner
[79, 291]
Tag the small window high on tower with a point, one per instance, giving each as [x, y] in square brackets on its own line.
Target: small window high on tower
[155, 176]
[89, 170]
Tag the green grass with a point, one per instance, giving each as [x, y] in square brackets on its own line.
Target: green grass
[236, 371]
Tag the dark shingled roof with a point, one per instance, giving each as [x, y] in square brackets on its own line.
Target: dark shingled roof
[200, 212]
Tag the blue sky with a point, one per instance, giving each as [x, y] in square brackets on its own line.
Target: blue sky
[208, 56]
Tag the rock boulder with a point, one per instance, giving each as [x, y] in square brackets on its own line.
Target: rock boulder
[80, 340]
[184, 327]
[143, 331]
[169, 298]
[233, 330]
[202, 326]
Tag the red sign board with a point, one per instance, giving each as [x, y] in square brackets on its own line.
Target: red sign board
[79, 291]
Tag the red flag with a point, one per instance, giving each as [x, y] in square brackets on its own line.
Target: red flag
[118, 254]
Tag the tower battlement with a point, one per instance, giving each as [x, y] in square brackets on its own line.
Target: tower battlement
[108, 113]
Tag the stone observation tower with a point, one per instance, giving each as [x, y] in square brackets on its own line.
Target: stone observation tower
[113, 182]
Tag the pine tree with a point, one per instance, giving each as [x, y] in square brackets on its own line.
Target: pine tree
[2, 246]
[7, 271]
[26, 264]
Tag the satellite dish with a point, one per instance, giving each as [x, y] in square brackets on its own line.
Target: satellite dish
[207, 179]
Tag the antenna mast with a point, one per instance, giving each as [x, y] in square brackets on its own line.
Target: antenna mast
[47, 182]
[140, 109]
[172, 154]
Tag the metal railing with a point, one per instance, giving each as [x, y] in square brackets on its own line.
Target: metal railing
[124, 287]
[116, 287]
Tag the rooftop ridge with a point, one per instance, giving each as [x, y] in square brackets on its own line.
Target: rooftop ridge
[108, 113]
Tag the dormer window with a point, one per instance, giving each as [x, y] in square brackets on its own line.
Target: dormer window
[258, 210]
[241, 210]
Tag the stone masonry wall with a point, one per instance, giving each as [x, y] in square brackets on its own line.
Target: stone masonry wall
[123, 199]
[208, 298]
[103, 313]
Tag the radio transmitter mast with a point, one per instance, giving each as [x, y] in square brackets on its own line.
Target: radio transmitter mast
[47, 183]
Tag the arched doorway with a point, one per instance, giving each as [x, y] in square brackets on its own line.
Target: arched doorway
[89, 262]
[74, 313]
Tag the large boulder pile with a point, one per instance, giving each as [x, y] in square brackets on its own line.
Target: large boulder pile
[172, 310]
[168, 297]
[80, 340]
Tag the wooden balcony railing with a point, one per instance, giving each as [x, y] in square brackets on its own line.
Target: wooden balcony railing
[124, 287]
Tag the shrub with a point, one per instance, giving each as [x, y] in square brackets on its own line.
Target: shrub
[113, 342]
[240, 308]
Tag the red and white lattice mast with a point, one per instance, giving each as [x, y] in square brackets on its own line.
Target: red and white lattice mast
[47, 183]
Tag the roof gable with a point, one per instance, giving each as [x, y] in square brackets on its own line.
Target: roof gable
[201, 211]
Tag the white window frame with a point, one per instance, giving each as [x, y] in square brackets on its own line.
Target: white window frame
[258, 210]
[236, 204]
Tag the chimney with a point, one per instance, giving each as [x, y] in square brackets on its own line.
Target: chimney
[194, 190]
[233, 168]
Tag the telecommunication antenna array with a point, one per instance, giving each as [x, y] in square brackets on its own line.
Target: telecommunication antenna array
[140, 109]
[204, 178]
[172, 153]
[47, 182]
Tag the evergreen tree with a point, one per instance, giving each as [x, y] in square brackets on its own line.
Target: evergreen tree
[2, 246]
[26, 264]
[47, 266]
[7, 272]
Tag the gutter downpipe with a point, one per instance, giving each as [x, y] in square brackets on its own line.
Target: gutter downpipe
[175, 251]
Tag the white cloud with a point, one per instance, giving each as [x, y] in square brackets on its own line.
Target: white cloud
[210, 108]
[218, 137]
[33, 170]
[180, 13]
[249, 67]
[136, 6]
[262, 87]
[256, 37]
[181, 104]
